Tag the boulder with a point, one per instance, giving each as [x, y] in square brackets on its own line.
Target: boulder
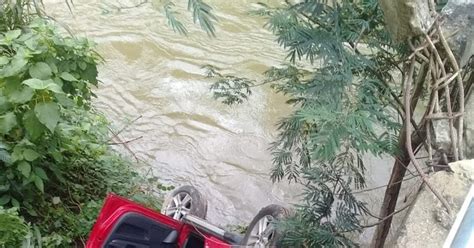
[459, 20]
[428, 223]
[458, 25]
[406, 18]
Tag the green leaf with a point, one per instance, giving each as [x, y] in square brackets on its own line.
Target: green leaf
[7, 122]
[65, 101]
[39, 183]
[4, 199]
[15, 203]
[52, 64]
[33, 126]
[22, 95]
[17, 154]
[40, 173]
[15, 67]
[40, 70]
[4, 60]
[30, 155]
[82, 65]
[13, 34]
[31, 212]
[48, 114]
[4, 105]
[90, 74]
[5, 156]
[58, 157]
[38, 84]
[68, 77]
[35, 83]
[32, 44]
[4, 187]
[25, 168]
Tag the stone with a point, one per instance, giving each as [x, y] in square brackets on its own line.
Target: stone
[406, 18]
[442, 136]
[459, 20]
[464, 169]
[428, 223]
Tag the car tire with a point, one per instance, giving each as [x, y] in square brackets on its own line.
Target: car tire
[185, 200]
[261, 232]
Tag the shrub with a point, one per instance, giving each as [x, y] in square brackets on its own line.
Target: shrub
[55, 161]
[13, 229]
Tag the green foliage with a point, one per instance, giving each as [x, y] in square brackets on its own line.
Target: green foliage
[56, 164]
[201, 14]
[344, 110]
[13, 229]
[338, 79]
[34, 94]
[17, 13]
[229, 89]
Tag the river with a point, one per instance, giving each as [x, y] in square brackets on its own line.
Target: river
[187, 136]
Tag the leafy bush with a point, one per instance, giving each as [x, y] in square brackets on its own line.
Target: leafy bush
[42, 77]
[13, 229]
[55, 161]
[17, 13]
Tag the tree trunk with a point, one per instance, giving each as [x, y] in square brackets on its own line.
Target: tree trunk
[395, 183]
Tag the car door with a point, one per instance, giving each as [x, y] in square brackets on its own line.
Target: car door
[125, 224]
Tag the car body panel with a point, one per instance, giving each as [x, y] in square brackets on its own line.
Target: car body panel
[116, 207]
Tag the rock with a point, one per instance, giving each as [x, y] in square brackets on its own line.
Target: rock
[459, 19]
[406, 18]
[463, 169]
[428, 223]
[443, 218]
[442, 135]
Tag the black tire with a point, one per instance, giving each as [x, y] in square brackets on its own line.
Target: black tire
[197, 204]
[276, 212]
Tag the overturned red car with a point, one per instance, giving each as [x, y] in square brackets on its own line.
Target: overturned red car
[181, 223]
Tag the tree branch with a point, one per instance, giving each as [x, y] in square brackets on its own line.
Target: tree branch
[408, 144]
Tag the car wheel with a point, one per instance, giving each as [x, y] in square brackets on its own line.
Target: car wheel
[261, 231]
[185, 200]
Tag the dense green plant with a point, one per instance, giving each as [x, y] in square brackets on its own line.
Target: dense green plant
[41, 76]
[56, 164]
[345, 108]
[18, 13]
[13, 229]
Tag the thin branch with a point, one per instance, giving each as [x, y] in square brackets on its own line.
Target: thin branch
[421, 78]
[125, 142]
[447, 96]
[119, 8]
[382, 220]
[455, 66]
[389, 216]
[124, 128]
[383, 186]
[408, 144]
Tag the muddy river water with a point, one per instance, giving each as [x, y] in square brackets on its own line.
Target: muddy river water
[188, 137]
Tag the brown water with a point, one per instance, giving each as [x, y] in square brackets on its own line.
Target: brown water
[189, 138]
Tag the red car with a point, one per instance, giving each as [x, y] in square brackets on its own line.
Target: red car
[181, 223]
